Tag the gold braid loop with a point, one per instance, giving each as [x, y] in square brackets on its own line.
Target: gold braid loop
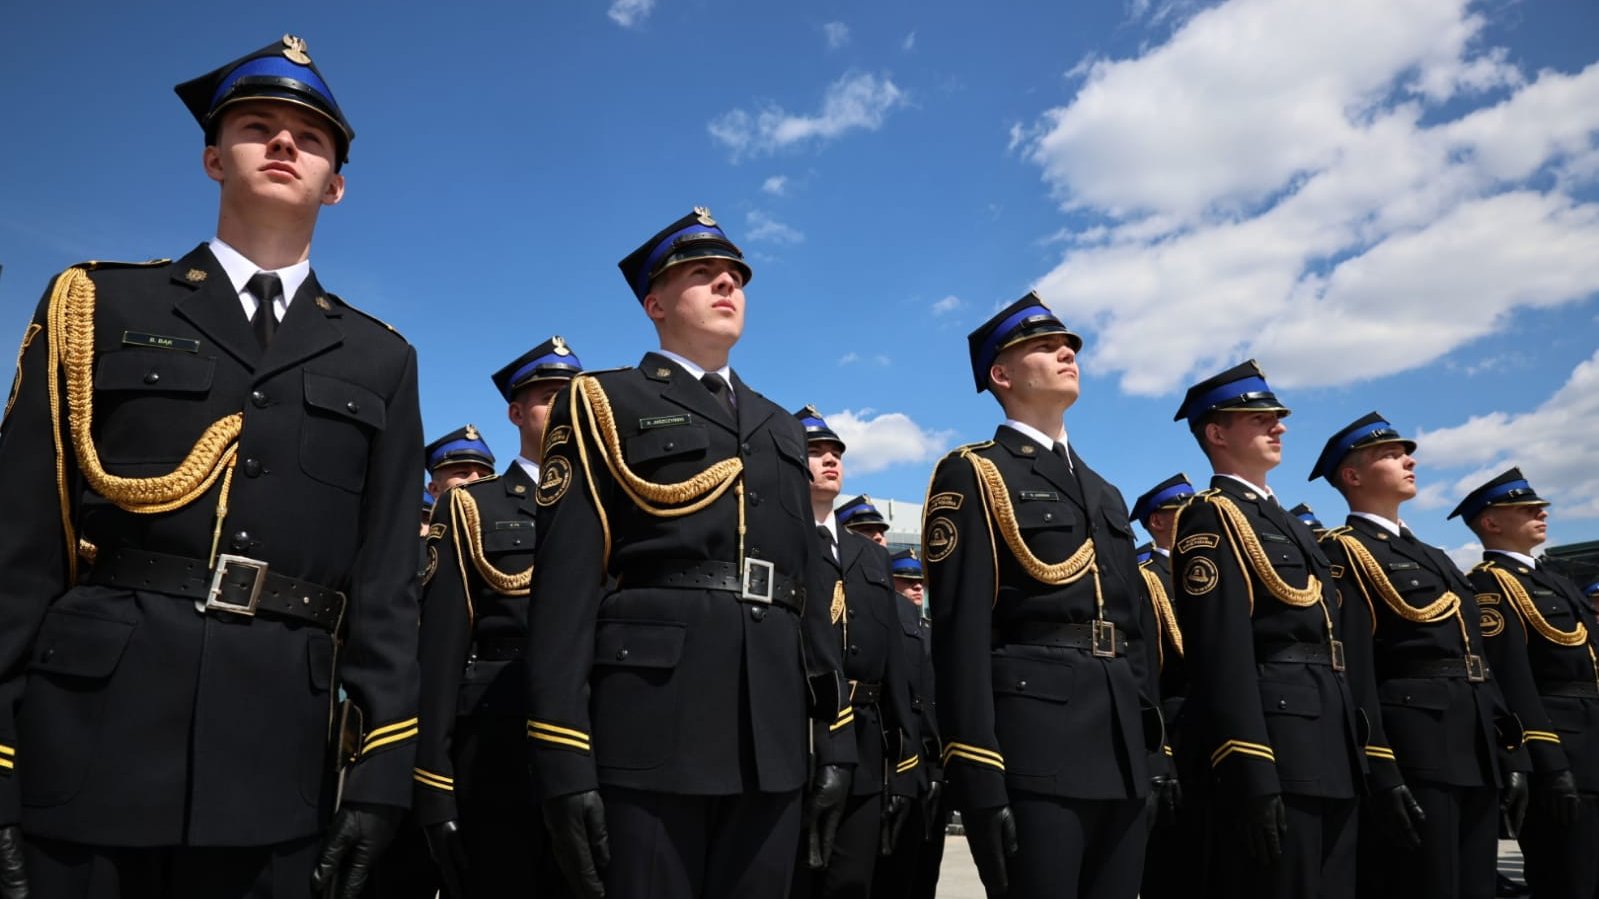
[836, 609]
[464, 517]
[16, 385]
[1244, 536]
[1529, 612]
[1165, 615]
[1439, 609]
[72, 347]
[997, 499]
[660, 500]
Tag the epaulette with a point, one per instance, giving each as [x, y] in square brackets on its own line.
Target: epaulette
[590, 372]
[363, 313]
[1484, 565]
[1207, 494]
[93, 264]
[1147, 562]
[970, 448]
[1334, 533]
[486, 479]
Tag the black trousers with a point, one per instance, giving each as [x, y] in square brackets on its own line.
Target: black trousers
[62, 870]
[669, 846]
[1318, 860]
[911, 870]
[1087, 848]
[1459, 847]
[851, 868]
[1562, 862]
[1175, 860]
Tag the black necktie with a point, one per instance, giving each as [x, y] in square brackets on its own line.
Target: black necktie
[1060, 450]
[719, 389]
[266, 288]
[827, 540]
[1407, 534]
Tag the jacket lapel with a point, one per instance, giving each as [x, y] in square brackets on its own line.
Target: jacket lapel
[753, 409]
[683, 390]
[308, 329]
[1044, 462]
[212, 306]
[519, 488]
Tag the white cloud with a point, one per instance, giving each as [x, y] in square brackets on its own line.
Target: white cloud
[876, 442]
[909, 42]
[859, 101]
[947, 305]
[1465, 556]
[1552, 445]
[849, 358]
[762, 227]
[777, 185]
[1280, 180]
[628, 13]
[837, 34]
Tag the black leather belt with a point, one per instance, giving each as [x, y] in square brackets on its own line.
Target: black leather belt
[755, 581]
[1472, 669]
[1101, 638]
[861, 693]
[500, 649]
[1303, 653]
[1570, 689]
[235, 584]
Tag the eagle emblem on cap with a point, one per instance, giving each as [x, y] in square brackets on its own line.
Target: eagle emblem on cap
[560, 345]
[294, 50]
[811, 409]
[471, 432]
[703, 213]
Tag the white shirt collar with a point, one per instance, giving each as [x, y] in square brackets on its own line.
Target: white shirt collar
[1263, 491]
[529, 466]
[240, 270]
[1391, 527]
[1037, 436]
[1523, 558]
[695, 370]
[1162, 550]
[831, 523]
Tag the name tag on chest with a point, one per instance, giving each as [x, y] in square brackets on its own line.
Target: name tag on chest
[513, 525]
[1047, 496]
[664, 421]
[139, 338]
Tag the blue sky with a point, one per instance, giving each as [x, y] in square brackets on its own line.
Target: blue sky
[1393, 204]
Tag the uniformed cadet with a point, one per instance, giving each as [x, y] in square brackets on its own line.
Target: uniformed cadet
[860, 516]
[234, 448]
[1039, 633]
[474, 799]
[1305, 513]
[669, 707]
[1442, 739]
[459, 457]
[1592, 592]
[863, 609]
[1541, 644]
[427, 509]
[911, 870]
[1174, 861]
[1269, 707]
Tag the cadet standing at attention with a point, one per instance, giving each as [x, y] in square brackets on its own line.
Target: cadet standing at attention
[860, 516]
[1269, 708]
[1040, 635]
[459, 457]
[234, 448]
[474, 799]
[1541, 643]
[1175, 860]
[676, 649]
[1409, 618]
[862, 607]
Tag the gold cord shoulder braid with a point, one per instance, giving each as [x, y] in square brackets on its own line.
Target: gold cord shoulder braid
[1528, 610]
[467, 524]
[997, 499]
[1245, 538]
[1370, 571]
[1165, 615]
[661, 500]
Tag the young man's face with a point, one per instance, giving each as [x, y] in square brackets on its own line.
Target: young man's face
[826, 460]
[276, 154]
[1519, 527]
[702, 297]
[877, 535]
[1044, 367]
[531, 408]
[460, 473]
[911, 589]
[1249, 438]
[1385, 470]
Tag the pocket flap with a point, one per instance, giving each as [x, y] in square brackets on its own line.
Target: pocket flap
[1303, 700]
[154, 371]
[662, 443]
[505, 540]
[80, 645]
[1038, 678]
[1037, 515]
[344, 399]
[638, 644]
[1414, 693]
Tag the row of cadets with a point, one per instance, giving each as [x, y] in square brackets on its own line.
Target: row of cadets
[863, 609]
[1043, 645]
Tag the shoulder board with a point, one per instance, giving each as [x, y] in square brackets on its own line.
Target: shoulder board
[594, 372]
[971, 447]
[1207, 494]
[94, 264]
[486, 479]
[1147, 562]
[1484, 565]
[1332, 533]
[364, 314]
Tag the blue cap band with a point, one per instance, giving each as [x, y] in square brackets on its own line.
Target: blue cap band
[273, 67]
[453, 446]
[902, 567]
[666, 246]
[851, 511]
[990, 348]
[1225, 392]
[1507, 490]
[567, 361]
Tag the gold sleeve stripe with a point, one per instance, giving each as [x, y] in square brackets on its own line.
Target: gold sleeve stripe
[436, 781]
[845, 718]
[8, 764]
[953, 753]
[388, 736]
[7, 750]
[1259, 750]
[1380, 752]
[387, 729]
[1166, 750]
[557, 730]
[907, 764]
[1544, 735]
[976, 752]
[559, 741]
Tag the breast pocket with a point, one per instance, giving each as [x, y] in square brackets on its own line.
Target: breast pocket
[791, 454]
[504, 541]
[658, 451]
[341, 420]
[143, 402]
[1050, 526]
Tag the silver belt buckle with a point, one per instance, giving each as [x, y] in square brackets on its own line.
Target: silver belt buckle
[758, 580]
[213, 596]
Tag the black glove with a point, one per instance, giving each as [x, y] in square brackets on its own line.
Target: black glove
[933, 811]
[1165, 798]
[577, 836]
[1513, 802]
[1264, 821]
[991, 835]
[13, 879]
[1400, 815]
[824, 808]
[1556, 793]
[449, 854]
[896, 811]
[356, 838]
